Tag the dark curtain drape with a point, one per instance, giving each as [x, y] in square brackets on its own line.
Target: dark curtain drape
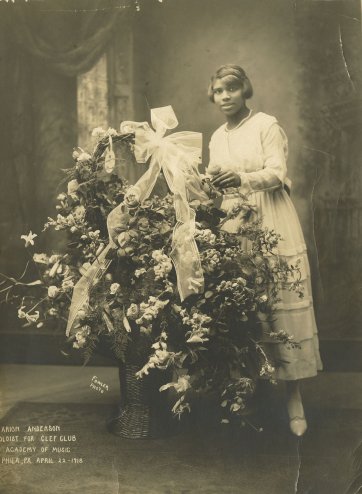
[44, 46]
[67, 40]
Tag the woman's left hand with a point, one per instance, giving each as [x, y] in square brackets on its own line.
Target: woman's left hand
[227, 179]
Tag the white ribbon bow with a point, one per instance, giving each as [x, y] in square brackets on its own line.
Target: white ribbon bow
[178, 156]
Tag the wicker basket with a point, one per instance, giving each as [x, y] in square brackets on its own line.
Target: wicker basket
[144, 411]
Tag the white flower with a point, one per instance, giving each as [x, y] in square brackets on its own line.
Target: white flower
[196, 339]
[162, 270]
[127, 128]
[29, 238]
[83, 156]
[183, 383]
[266, 369]
[25, 315]
[206, 236]
[111, 131]
[81, 337]
[32, 317]
[132, 198]
[40, 258]
[21, 313]
[54, 258]
[180, 407]
[146, 330]
[161, 355]
[139, 272]
[213, 169]
[54, 269]
[114, 288]
[133, 311]
[53, 291]
[164, 265]
[93, 235]
[67, 284]
[52, 311]
[81, 314]
[79, 212]
[98, 132]
[123, 238]
[61, 197]
[157, 255]
[181, 386]
[73, 186]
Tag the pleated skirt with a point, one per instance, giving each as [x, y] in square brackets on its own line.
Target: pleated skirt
[293, 314]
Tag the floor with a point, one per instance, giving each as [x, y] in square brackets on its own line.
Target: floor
[200, 458]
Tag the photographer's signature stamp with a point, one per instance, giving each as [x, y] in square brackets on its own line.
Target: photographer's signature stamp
[98, 385]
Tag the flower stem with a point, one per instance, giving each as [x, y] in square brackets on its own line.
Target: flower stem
[38, 303]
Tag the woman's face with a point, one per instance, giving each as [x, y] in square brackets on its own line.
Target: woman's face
[228, 95]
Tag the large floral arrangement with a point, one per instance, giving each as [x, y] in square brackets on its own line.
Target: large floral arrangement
[210, 341]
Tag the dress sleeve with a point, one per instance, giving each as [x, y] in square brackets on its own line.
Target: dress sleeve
[212, 151]
[274, 171]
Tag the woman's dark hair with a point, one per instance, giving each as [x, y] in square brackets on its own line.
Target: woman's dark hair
[235, 72]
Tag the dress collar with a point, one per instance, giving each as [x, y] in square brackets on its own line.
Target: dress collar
[240, 123]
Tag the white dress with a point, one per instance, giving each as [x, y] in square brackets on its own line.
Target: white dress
[257, 151]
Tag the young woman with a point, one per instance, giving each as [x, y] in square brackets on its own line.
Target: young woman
[250, 150]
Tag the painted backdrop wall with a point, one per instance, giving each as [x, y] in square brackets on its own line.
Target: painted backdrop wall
[302, 58]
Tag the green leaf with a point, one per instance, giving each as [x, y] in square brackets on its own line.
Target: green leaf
[126, 324]
[108, 321]
[34, 283]
[164, 227]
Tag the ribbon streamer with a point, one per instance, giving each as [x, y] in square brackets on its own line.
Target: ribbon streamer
[110, 158]
[178, 156]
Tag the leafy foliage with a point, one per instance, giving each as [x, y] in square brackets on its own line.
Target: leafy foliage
[209, 341]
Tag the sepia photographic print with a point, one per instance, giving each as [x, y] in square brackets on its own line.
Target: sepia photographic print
[181, 230]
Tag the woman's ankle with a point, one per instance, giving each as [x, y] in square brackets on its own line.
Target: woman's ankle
[294, 400]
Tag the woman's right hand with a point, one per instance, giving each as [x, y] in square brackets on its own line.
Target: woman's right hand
[224, 180]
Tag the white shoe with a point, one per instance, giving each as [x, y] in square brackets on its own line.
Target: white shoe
[298, 425]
